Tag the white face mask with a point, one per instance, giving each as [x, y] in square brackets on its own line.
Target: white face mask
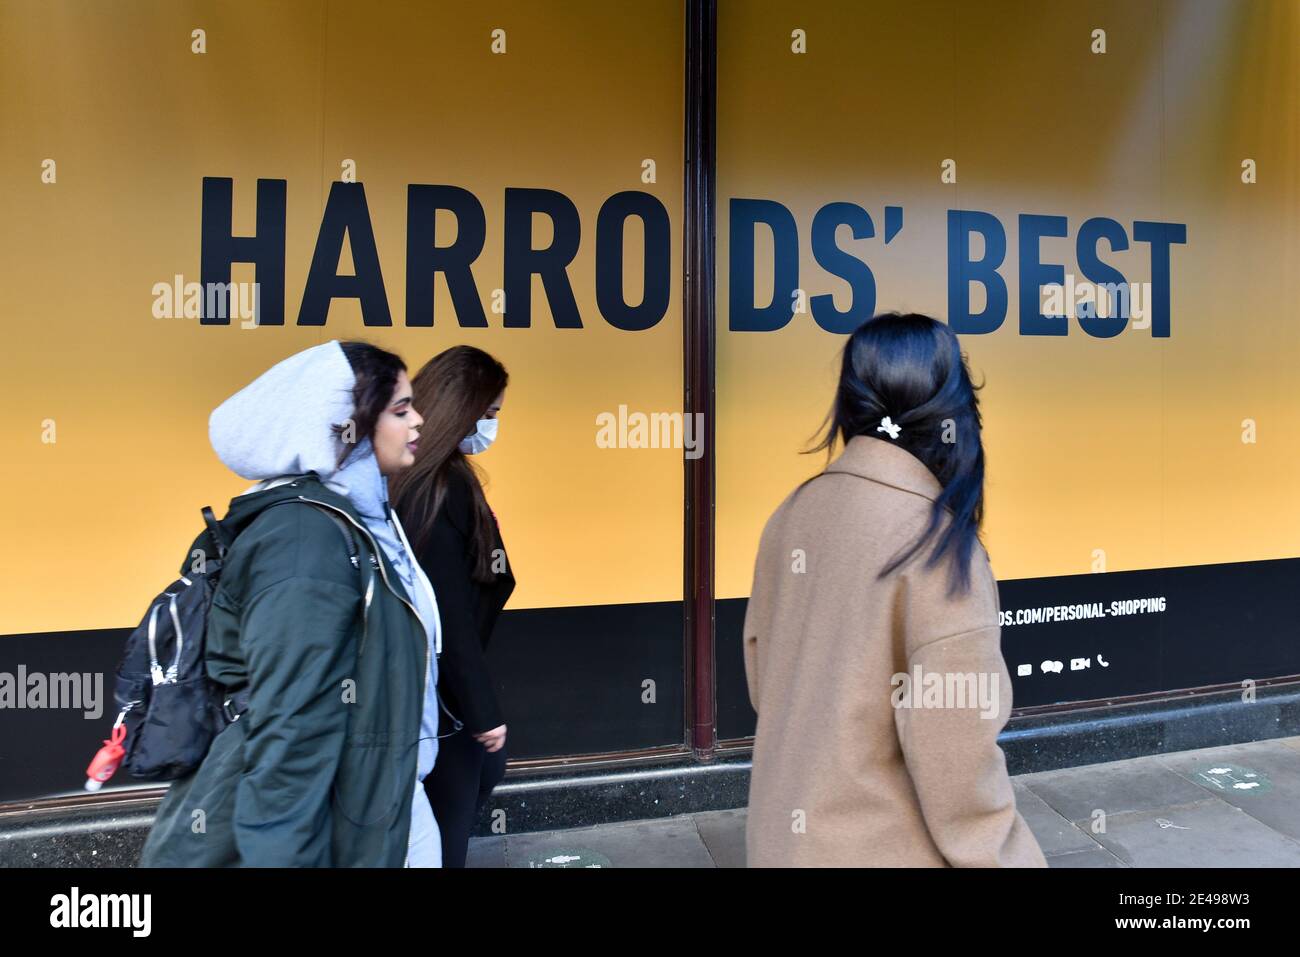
[484, 435]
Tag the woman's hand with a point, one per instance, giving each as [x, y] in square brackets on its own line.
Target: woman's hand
[493, 740]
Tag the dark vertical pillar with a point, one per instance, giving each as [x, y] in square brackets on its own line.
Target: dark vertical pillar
[698, 348]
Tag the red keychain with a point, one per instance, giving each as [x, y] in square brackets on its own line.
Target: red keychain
[107, 759]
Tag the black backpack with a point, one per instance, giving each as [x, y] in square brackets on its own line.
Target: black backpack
[171, 708]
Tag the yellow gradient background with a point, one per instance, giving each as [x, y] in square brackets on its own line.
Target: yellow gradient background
[1132, 445]
[97, 522]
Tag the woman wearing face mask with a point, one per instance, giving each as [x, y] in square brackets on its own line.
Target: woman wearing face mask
[329, 665]
[459, 394]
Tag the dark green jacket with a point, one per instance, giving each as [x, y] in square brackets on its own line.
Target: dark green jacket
[320, 770]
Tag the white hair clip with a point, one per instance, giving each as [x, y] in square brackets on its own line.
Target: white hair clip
[887, 426]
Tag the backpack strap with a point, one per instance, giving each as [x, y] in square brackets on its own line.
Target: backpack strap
[342, 526]
[347, 534]
[221, 540]
[217, 533]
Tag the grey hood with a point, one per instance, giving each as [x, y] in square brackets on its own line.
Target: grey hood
[280, 423]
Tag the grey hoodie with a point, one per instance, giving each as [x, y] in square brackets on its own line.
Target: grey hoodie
[280, 426]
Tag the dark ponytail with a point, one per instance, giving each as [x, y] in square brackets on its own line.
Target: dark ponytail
[911, 368]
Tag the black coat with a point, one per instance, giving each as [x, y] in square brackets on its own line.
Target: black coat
[468, 608]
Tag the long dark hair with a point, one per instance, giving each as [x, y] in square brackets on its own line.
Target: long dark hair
[911, 368]
[451, 393]
[376, 373]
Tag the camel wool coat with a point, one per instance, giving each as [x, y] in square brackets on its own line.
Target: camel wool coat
[841, 775]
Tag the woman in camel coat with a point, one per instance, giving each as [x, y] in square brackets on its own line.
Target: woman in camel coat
[872, 639]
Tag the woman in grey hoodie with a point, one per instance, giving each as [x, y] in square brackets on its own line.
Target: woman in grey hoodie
[340, 719]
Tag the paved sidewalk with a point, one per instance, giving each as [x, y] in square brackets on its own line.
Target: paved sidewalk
[1236, 806]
